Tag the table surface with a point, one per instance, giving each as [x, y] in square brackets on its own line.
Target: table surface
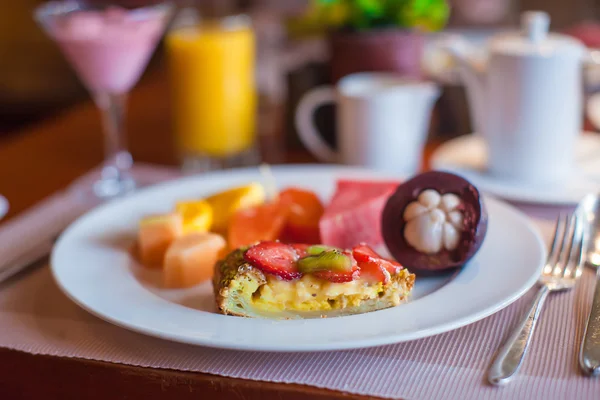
[42, 159]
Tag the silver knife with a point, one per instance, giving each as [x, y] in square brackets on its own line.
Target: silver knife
[589, 353]
[589, 356]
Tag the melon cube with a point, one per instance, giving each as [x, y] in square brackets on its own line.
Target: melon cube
[191, 259]
[155, 235]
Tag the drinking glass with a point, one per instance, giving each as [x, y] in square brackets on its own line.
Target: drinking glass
[211, 62]
[109, 47]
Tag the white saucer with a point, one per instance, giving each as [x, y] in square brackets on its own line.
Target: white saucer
[467, 156]
[3, 206]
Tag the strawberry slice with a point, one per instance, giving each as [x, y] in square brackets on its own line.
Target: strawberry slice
[364, 254]
[341, 277]
[374, 271]
[274, 258]
[338, 277]
[300, 249]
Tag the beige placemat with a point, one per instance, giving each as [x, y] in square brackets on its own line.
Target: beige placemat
[36, 317]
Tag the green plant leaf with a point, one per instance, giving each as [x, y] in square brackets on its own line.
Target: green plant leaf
[366, 13]
[429, 15]
[371, 8]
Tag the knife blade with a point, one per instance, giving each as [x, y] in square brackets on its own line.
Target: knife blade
[589, 356]
[589, 352]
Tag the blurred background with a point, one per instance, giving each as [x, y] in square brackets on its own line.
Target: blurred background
[36, 82]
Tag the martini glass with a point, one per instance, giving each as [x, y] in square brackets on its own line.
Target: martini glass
[109, 48]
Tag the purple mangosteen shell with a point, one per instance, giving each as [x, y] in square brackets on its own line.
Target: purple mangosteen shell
[474, 230]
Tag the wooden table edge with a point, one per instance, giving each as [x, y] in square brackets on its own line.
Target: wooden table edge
[96, 379]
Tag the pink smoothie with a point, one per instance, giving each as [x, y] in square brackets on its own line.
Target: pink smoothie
[109, 49]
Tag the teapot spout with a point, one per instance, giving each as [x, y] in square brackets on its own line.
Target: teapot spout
[472, 72]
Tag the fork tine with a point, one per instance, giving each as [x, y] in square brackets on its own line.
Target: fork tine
[555, 238]
[571, 234]
[551, 260]
[559, 264]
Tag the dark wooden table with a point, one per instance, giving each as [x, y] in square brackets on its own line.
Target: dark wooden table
[45, 158]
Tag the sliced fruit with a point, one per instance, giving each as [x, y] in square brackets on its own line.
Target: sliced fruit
[338, 277]
[363, 253]
[197, 215]
[374, 270]
[330, 260]
[190, 259]
[305, 211]
[227, 203]
[155, 235]
[259, 223]
[274, 258]
[341, 276]
[353, 214]
[296, 233]
[301, 249]
[318, 249]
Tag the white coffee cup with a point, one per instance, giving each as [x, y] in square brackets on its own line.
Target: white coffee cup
[382, 119]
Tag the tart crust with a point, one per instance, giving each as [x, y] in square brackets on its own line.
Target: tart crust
[237, 285]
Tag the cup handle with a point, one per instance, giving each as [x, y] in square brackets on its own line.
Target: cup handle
[592, 103]
[592, 57]
[592, 110]
[307, 131]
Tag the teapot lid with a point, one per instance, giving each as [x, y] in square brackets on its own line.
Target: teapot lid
[534, 39]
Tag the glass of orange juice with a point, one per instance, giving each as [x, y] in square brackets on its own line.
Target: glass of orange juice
[211, 66]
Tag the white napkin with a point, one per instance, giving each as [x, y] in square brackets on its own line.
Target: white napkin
[34, 231]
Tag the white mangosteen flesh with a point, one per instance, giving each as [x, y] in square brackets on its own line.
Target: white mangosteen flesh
[433, 222]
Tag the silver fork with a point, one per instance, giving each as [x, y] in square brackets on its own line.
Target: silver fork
[562, 269]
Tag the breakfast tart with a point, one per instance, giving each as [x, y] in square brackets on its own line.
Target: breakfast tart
[290, 281]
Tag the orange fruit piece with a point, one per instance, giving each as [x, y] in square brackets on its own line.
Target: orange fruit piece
[304, 213]
[253, 224]
[225, 204]
[197, 215]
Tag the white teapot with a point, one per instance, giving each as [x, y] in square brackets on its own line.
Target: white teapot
[526, 99]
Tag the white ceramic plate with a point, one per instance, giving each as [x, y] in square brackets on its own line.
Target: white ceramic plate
[92, 266]
[467, 156]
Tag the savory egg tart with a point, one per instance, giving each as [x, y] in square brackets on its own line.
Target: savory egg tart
[282, 281]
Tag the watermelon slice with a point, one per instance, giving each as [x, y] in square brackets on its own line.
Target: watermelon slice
[354, 213]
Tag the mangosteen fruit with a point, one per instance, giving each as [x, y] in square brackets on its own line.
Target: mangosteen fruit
[434, 222]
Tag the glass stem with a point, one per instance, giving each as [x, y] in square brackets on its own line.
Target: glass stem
[117, 160]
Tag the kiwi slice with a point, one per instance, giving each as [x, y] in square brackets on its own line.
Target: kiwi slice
[329, 260]
[317, 249]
